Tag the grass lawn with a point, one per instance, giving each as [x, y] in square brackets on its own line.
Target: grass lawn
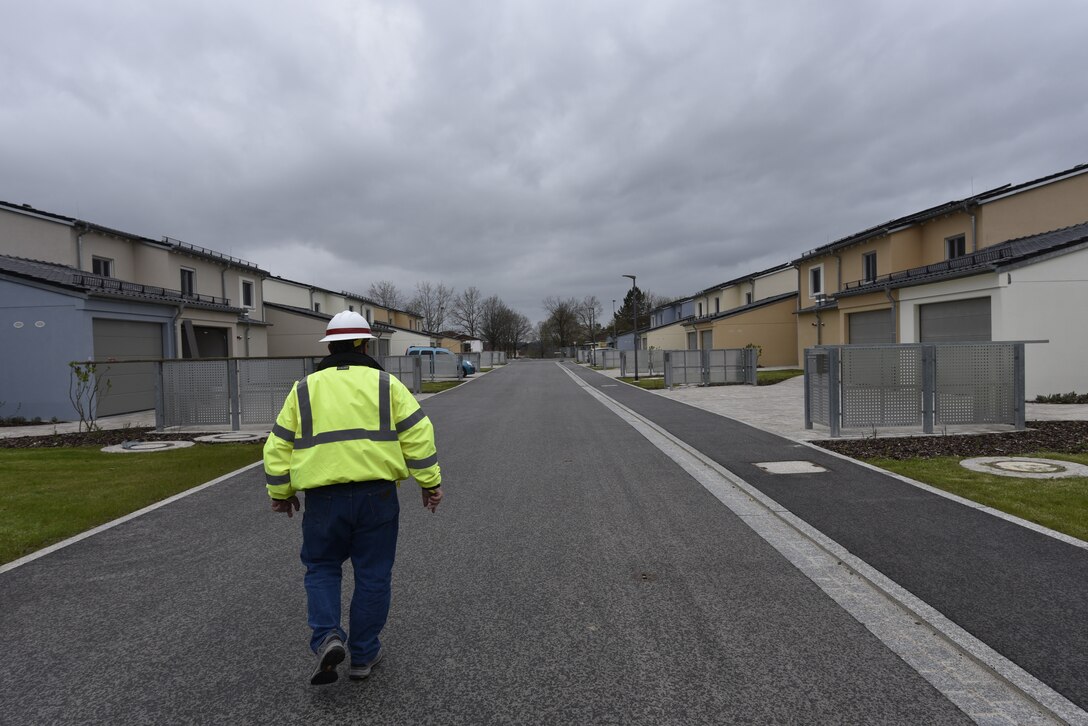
[438, 386]
[769, 378]
[1060, 504]
[53, 494]
[650, 384]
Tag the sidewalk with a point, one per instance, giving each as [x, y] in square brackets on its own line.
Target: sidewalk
[780, 409]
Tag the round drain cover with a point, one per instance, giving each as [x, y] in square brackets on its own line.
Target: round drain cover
[232, 437]
[1025, 467]
[135, 447]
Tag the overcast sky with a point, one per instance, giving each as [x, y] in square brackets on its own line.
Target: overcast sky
[530, 148]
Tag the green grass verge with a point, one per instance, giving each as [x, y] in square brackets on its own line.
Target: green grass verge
[650, 384]
[53, 494]
[438, 386]
[769, 378]
[1060, 504]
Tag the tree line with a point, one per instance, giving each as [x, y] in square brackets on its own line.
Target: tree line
[571, 321]
[442, 309]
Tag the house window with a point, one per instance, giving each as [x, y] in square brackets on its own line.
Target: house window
[816, 281]
[717, 305]
[700, 310]
[868, 266]
[368, 315]
[102, 266]
[188, 281]
[955, 247]
[247, 293]
[351, 308]
[317, 307]
[747, 298]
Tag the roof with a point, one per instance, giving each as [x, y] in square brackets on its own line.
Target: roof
[940, 210]
[763, 302]
[167, 242]
[1012, 253]
[72, 278]
[744, 278]
[324, 317]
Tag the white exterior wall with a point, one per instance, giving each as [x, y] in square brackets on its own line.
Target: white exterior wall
[1043, 301]
[286, 293]
[777, 283]
[399, 341]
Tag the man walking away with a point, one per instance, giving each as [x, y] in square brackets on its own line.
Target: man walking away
[347, 434]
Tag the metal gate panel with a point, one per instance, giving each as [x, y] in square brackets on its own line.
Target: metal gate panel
[195, 393]
[973, 384]
[818, 385]
[263, 386]
[685, 367]
[881, 386]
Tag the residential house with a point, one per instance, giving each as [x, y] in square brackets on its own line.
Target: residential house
[756, 309]
[927, 277]
[667, 331]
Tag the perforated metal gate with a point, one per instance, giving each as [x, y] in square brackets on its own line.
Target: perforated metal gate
[914, 385]
[710, 367]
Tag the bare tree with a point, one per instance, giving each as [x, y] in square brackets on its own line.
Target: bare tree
[385, 293]
[589, 316]
[432, 302]
[467, 311]
[562, 319]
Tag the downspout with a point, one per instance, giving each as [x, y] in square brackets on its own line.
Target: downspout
[895, 312]
[174, 329]
[79, 248]
[974, 227]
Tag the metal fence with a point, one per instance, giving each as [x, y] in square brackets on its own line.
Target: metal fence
[608, 358]
[650, 362]
[710, 367]
[914, 385]
[249, 392]
[491, 358]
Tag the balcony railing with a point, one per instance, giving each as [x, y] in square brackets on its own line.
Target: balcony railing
[111, 284]
[975, 259]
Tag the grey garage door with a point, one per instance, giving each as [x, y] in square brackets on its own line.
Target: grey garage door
[875, 326]
[955, 321]
[132, 385]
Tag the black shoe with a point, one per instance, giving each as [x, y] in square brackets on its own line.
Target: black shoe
[330, 655]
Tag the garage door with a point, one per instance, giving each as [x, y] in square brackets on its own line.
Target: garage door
[131, 385]
[958, 320]
[875, 326]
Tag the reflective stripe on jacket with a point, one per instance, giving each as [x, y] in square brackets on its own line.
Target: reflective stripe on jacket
[349, 423]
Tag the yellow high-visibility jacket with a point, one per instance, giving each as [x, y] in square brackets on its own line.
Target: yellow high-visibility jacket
[349, 423]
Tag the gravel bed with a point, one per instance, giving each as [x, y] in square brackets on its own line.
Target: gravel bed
[107, 437]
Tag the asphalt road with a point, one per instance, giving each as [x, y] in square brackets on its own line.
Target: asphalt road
[1021, 592]
[574, 575]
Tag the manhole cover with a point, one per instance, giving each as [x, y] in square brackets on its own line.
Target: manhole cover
[135, 447]
[1024, 467]
[790, 467]
[232, 438]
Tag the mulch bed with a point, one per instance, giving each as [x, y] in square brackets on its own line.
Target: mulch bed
[107, 437]
[1068, 437]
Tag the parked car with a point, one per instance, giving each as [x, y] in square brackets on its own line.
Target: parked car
[466, 366]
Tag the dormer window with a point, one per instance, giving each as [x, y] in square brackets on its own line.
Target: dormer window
[102, 266]
[868, 267]
[816, 281]
[955, 247]
[188, 281]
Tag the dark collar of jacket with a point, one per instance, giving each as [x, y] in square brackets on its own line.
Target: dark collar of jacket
[351, 358]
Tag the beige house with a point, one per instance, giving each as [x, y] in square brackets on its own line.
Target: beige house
[757, 310]
[218, 297]
[851, 290]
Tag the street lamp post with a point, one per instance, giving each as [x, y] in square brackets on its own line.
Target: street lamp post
[634, 319]
[614, 340]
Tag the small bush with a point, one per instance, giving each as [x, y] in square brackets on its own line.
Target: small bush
[1071, 397]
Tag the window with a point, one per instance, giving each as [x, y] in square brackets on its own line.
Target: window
[369, 315]
[247, 293]
[188, 281]
[102, 266]
[700, 310]
[351, 308]
[816, 281]
[955, 247]
[868, 266]
[747, 298]
[717, 305]
[317, 307]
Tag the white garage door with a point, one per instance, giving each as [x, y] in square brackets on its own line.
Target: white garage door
[131, 385]
[875, 326]
[955, 321]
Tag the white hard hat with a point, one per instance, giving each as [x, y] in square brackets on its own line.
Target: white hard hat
[348, 325]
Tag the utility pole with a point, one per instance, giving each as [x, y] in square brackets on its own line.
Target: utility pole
[634, 319]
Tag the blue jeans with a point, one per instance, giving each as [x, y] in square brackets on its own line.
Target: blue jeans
[357, 520]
